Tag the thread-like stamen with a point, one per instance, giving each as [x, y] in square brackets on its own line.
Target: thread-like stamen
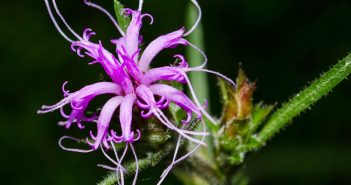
[51, 108]
[64, 21]
[93, 5]
[72, 149]
[140, 5]
[202, 53]
[181, 130]
[174, 162]
[196, 4]
[192, 92]
[136, 164]
[166, 171]
[106, 167]
[55, 22]
[195, 148]
[166, 122]
[213, 72]
[117, 158]
[107, 156]
[120, 163]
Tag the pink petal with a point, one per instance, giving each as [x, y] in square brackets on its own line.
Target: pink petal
[162, 73]
[178, 97]
[145, 94]
[165, 41]
[125, 116]
[105, 117]
[132, 34]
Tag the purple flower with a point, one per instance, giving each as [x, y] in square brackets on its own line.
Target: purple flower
[133, 84]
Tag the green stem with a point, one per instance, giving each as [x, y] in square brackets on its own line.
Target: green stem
[199, 80]
[303, 100]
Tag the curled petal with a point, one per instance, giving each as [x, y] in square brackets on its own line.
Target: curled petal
[65, 92]
[87, 33]
[148, 15]
[138, 135]
[164, 105]
[92, 135]
[188, 118]
[146, 115]
[182, 62]
[142, 105]
[115, 138]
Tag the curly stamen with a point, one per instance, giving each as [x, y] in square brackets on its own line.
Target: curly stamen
[55, 22]
[72, 149]
[196, 4]
[64, 21]
[93, 5]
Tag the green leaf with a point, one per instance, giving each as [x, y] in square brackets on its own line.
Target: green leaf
[123, 20]
[259, 114]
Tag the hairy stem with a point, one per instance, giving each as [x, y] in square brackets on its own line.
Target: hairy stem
[304, 99]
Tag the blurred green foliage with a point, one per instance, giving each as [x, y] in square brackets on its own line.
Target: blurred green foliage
[281, 43]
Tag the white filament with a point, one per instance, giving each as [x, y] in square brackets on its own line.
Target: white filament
[196, 4]
[159, 114]
[140, 5]
[197, 102]
[136, 164]
[93, 5]
[64, 21]
[72, 149]
[215, 73]
[55, 23]
[117, 158]
[202, 53]
[174, 161]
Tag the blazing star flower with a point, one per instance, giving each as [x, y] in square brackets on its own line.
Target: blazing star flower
[133, 83]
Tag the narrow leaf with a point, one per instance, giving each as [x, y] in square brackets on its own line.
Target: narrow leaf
[123, 20]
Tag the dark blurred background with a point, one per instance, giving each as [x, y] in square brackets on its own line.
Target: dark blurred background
[282, 44]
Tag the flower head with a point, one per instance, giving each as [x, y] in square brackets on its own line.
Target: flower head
[133, 84]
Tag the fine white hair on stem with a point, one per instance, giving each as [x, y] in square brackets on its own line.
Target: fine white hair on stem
[136, 164]
[72, 149]
[197, 102]
[93, 5]
[196, 4]
[202, 53]
[64, 21]
[55, 22]
[140, 5]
